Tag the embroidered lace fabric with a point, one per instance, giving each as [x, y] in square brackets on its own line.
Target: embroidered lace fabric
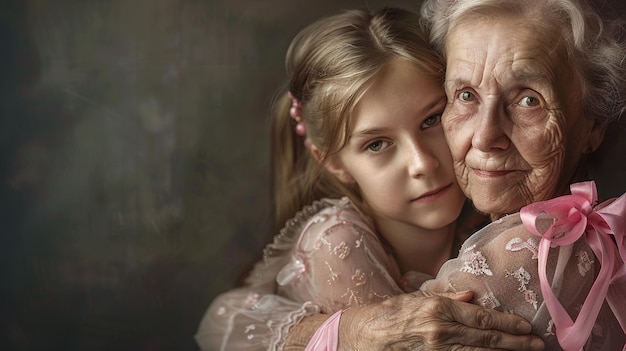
[499, 264]
[300, 276]
[326, 259]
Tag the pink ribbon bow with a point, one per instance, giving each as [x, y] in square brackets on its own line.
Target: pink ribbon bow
[603, 227]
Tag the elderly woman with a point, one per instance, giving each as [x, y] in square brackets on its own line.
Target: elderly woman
[532, 86]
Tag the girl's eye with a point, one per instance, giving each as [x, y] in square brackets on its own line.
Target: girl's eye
[529, 101]
[466, 96]
[377, 146]
[431, 121]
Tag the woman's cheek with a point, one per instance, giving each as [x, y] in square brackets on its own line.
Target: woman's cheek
[458, 133]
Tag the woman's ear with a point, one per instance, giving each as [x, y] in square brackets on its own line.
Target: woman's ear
[597, 135]
[333, 165]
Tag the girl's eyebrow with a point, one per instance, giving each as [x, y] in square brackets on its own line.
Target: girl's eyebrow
[368, 131]
[378, 130]
[439, 101]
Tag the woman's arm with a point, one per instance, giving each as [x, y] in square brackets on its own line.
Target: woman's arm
[425, 321]
[256, 318]
[417, 321]
[301, 333]
[345, 266]
[500, 265]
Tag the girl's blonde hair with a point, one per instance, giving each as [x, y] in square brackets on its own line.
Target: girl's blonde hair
[330, 65]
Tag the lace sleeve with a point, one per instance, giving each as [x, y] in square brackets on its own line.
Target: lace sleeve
[339, 262]
[256, 317]
[338, 266]
[248, 319]
[499, 264]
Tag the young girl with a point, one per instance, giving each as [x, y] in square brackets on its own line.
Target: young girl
[363, 179]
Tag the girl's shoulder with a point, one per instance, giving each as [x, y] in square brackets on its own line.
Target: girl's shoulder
[333, 216]
[278, 253]
[314, 218]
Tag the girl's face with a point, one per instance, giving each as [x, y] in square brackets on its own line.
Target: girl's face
[397, 153]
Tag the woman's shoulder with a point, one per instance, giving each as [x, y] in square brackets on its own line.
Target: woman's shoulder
[503, 229]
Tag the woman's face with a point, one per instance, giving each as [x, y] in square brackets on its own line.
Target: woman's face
[514, 118]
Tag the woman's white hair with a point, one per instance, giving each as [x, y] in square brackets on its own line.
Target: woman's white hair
[594, 44]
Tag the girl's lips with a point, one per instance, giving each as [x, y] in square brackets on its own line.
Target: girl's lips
[435, 194]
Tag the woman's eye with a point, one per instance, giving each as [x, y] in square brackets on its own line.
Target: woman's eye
[466, 96]
[529, 101]
[377, 146]
[431, 121]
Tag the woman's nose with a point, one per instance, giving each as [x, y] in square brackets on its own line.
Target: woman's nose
[489, 133]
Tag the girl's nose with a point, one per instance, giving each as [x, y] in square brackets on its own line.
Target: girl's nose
[421, 161]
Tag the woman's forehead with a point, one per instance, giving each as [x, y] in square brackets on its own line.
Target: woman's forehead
[504, 48]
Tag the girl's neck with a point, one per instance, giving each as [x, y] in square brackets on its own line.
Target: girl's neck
[417, 249]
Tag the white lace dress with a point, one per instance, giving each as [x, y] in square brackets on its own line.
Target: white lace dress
[327, 258]
[501, 265]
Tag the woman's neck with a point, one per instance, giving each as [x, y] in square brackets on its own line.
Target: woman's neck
[418, 249]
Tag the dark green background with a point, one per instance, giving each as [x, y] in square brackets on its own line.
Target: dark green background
[134, 162]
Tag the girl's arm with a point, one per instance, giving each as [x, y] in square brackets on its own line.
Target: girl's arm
[335, 270]
[256, 318]
[249, 318]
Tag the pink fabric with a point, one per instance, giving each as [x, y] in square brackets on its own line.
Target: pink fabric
[329, 258]
[582, 250]
[575, 216]
[327, 335]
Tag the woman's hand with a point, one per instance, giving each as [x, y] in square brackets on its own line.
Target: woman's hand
[425, 321]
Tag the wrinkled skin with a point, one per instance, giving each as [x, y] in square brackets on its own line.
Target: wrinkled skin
[423, 321]
[514, 118]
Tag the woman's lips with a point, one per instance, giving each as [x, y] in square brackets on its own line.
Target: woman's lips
[490, 174]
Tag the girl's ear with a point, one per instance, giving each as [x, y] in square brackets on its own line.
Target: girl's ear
[333, 165]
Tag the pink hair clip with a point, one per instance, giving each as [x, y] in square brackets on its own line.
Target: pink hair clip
[296, 113]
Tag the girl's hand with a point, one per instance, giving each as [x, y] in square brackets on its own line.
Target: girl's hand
[425, 321]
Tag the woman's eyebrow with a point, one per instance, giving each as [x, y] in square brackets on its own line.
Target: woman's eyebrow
[517, 76]
[456, 82]
[531, 76]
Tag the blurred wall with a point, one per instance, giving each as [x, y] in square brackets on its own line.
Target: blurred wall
[134, 160]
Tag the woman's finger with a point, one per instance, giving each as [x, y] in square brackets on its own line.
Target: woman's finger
[482, 327]
[433, 322]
